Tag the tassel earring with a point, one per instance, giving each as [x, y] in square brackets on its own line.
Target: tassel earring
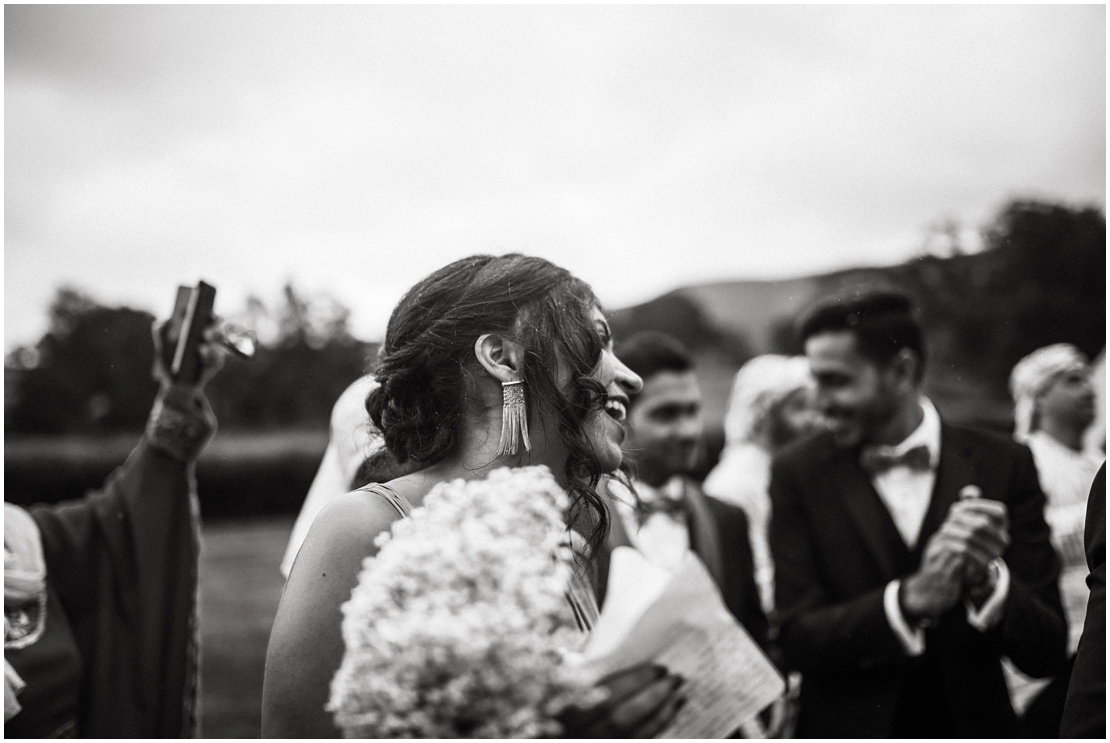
[514, 419]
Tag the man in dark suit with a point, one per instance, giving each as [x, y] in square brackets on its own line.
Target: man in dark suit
[669, 513]
[910, 555]
[1085, 708]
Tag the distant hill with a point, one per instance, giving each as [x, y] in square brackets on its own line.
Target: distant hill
[753, 309]
[1039, 280]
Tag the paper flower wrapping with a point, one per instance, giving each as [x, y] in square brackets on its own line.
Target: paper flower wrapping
[460, 625]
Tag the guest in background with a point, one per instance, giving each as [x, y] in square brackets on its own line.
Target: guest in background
[1095, 438]
[1054, 405]
[771, 406]
[352, 438]
[910, 554]
[100, 610]
[1085, 710]
[666, 515]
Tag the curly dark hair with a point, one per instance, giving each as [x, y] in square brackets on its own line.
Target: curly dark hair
[882, 319]
[427, 362]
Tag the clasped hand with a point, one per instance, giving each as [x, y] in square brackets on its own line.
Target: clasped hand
[956, 561]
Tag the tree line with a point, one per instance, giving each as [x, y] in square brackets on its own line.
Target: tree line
[1039, 279]
[91, 372]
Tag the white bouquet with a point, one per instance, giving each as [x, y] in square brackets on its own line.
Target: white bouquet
[460, 625]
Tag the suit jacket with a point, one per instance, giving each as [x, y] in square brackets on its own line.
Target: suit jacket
[1085, 709]
[836, 548]
[719, 536]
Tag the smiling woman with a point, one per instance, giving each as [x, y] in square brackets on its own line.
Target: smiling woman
[456, 344]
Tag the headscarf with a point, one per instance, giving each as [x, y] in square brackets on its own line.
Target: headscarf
[24, 586]
[1033, 375]
[761, 384]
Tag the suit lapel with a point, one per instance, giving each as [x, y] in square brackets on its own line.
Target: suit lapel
[869, 514]
[955, 470]
[703, 532]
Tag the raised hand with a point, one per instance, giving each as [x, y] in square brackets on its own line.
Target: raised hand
[979, 528]
[212, 355]
[936, 586]
[957, 558]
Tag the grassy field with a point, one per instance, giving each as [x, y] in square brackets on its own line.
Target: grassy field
[240, 586]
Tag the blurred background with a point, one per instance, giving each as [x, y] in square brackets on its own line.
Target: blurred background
[709, 170]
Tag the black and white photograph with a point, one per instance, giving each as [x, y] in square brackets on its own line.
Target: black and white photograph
[554, 371]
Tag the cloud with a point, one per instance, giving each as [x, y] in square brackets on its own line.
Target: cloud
[357, 148]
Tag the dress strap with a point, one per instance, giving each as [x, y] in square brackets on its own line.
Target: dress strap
[394, 498]
[582, 600]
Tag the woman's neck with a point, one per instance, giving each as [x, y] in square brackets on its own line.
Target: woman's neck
[468, 463]
[416, 485]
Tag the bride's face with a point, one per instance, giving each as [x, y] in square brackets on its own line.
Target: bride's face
[604, 427]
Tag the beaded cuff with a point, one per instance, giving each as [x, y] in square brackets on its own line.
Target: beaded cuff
[181, 423]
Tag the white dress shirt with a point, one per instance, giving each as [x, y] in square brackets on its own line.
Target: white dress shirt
[662, 538]
[906, 493]
[1066, 477]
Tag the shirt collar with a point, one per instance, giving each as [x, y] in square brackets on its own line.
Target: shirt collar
[926, 434]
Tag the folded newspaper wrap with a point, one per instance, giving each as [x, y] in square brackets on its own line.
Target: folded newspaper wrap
[680, 621]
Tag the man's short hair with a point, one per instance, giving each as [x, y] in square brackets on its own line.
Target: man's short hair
[882, 321]
[648, 353]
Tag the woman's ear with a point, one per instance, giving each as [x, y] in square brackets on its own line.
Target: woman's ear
[500, 357]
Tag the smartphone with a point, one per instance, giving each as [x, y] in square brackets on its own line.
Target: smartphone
[192, 313]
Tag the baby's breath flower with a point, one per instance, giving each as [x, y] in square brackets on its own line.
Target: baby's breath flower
[459, 626]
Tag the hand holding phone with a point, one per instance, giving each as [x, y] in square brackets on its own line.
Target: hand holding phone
[190, 344]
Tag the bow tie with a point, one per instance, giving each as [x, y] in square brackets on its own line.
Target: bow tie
[660, 504]
[874, 461]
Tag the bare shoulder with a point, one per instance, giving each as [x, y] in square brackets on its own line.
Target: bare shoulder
[341, 537]
[306, 645]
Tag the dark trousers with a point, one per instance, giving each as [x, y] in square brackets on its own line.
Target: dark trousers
[922, 710]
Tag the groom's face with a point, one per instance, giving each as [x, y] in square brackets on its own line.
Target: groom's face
[854, 393]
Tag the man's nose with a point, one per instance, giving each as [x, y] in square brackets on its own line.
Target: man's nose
[690, 427]
[823, 401]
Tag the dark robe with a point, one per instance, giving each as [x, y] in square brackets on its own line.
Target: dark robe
[121, 565]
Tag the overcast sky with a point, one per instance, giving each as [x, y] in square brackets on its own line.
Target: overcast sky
[354, 149]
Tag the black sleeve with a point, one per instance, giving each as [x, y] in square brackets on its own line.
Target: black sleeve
[1085, 709]
[123, 561]
[818, 634]
[748, 608]
[121, 528]
[1033, 631]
